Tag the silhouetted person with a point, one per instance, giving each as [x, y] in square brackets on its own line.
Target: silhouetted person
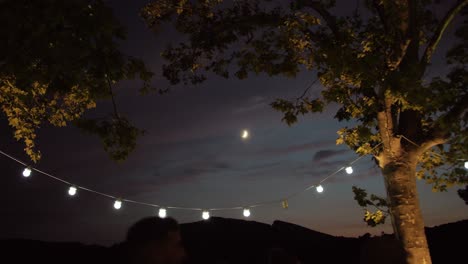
[153, 240]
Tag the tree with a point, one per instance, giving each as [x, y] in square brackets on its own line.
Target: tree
[464, 194]
[57, 58]
[371, 63]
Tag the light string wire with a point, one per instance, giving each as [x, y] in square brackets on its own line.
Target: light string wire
[276, 201]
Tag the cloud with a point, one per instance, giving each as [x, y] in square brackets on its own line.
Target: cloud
[204, 167]
[178, 172]
[327, 153]
[294, 148]
[253, 103]
[172, 172]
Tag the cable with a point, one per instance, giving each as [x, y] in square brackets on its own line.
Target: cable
[270, 202]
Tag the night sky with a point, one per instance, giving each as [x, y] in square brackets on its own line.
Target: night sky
[192, 155]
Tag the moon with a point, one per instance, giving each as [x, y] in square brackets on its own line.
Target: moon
[245, 134]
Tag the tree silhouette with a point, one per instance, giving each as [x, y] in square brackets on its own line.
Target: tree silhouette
[464, 194]
[56, 59]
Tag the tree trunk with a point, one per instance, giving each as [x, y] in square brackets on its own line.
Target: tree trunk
[400, 178]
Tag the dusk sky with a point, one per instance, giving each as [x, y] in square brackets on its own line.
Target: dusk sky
[192, 155]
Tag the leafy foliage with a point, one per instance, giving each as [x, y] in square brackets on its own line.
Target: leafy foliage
[56, 59]
[371, 218]
[117, 134]
[26, 110]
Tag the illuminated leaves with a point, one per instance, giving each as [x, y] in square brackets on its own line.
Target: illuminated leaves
[360, 138]
[378, 203]
[54, 67]
[292, 109]
[434, 168]
[27, 110]
[374, 219]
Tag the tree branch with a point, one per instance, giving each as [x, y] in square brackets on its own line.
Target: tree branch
[307, 89]
[116, 113]
[431, 46]
[453, 115]
[412, 53]
[438, 135]
[434, 140]
[329, 19]
[381, 12]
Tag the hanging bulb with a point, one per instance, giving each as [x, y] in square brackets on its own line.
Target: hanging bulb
[245, 134]
[206, 215]
[466, 164]
[319, 188]
[246, 212]
[72, 190]
[117, 204]
[349, 169]
[162, 212]
[27, 172]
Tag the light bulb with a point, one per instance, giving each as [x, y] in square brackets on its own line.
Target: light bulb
[246, 212]
[117, 204]
[27, 172]
[349, 170]
[72, 190]
[319, 188]
[245, 134]
[162, 212]
[466, 164]
[206, 215]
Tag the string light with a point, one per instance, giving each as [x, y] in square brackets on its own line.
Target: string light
[206, 215]
[27, 172]
[117, 204]
[72, 191]
[245, 134]
[319, 189]
[162, 212]
[246, 212]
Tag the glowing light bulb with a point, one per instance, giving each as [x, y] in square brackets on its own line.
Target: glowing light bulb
[349, 170]
[27, 172]
[246, 212]
[162, 212]
[466, 164]
[206, 215]
[72, 190]
[319, 188]
[117, 204]
[245, 134]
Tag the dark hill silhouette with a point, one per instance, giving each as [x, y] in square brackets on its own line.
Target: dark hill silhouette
[447, 242]
[316, 247]
[34, 251]
[222, 240]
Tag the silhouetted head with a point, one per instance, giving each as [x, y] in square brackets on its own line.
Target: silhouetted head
[154, 240]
